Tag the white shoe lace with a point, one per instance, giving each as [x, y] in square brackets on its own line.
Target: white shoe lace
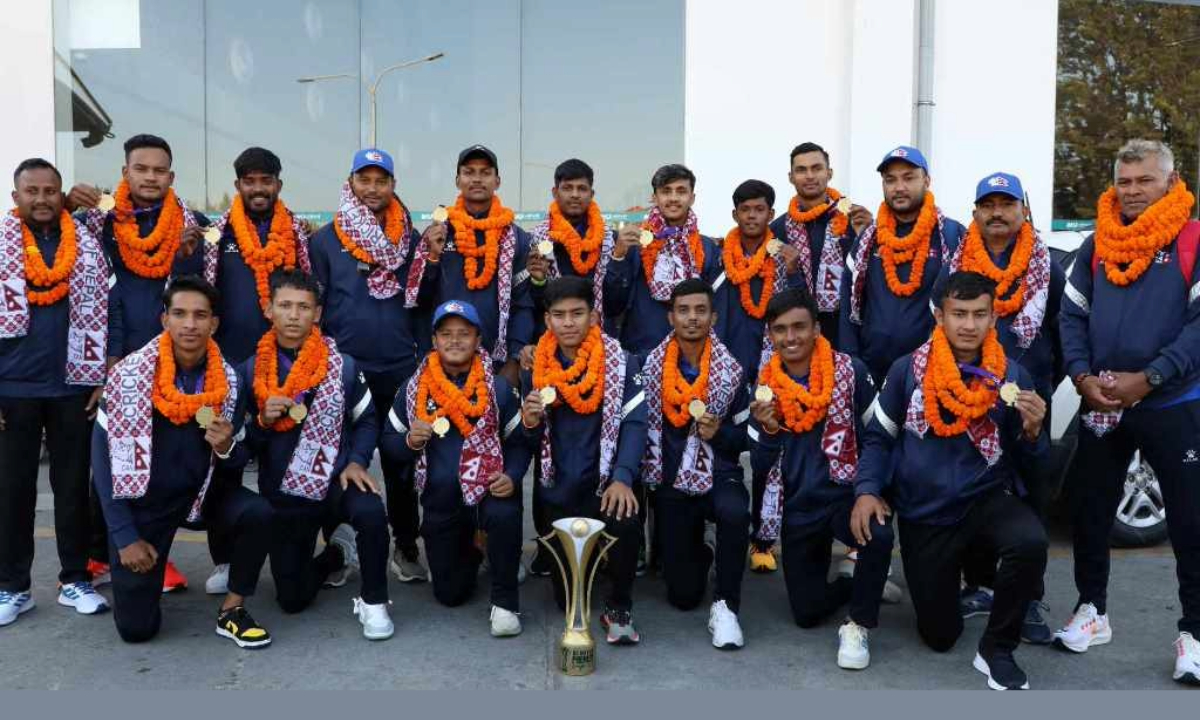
[854, 634]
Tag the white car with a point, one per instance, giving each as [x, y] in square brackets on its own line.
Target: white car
[1141, 517]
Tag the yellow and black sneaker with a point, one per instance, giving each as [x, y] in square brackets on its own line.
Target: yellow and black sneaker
[237, 625]
[762, 560]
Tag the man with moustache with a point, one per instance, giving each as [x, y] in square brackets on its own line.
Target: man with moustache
[54, 285]
[362, 261]
[148, 235]
[819, 227]
[893, 265]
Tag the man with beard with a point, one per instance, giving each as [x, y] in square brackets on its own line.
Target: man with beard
[148, 235]
[819, 227]
[259, 236]
[362, 261]
[893, 265]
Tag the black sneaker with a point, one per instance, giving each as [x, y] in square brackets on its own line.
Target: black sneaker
[541, 565]
[1001, 670]
[237, 625]
[1035, 630]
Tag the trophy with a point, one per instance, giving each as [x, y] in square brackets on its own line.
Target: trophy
[579, 538]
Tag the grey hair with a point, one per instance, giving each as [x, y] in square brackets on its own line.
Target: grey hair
[1138, 150]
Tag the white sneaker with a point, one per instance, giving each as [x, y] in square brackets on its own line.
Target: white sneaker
[376, 623]
[854, 647]
[505, 623]
[13, 604]
[1085, 629]
[218, 582]
[345, 538]
[83, 597]
[1187, 659]
[724, 626]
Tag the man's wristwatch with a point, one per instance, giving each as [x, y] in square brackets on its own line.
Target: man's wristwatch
[1153, 377]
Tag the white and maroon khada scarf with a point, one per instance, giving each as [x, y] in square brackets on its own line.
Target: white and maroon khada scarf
[482, 455]
[826, 287]
[310, 470]
[504, 281]
[674, 263]
[839, 442]
[611, 411]
[695, 476]
[359, 224]
[860, 263]
[129, 419]
[983, 432]
[541, 232]
[1028, 320]
[212, 251]
[87, 294]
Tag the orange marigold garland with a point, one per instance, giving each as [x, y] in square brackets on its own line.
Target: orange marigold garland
[802, 407]
[393, 229]
[176, 405]
[279, 250]
[975, 258]
[47, 285]
[839, 220]
[584, 251]
[914, 248]
[739, 269]
[651, 251]
[493, 227]
[1135, 245]
[581, 386]
[946, 392]
[150, 256]
[458, 405]
[312, 363]
[678, 393]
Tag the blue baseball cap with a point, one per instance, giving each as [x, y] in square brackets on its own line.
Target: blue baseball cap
[373, 157]
[904, 153]
[457, 308]
[1001, 183]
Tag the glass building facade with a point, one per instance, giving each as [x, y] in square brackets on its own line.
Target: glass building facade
[538, 81]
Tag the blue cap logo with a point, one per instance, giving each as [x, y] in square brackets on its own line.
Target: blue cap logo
[900, 153]
[374, 156]
[997, 181]
[453, 307]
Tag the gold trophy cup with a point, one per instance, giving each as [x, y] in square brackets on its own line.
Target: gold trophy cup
[579, 538]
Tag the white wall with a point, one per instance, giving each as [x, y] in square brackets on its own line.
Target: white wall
[842, 73]
[761, 77]
[27, 55]
[994, 85]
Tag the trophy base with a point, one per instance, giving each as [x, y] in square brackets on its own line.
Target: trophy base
[577, 653]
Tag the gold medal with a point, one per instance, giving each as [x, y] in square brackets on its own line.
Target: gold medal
[212, 235]
[545, 248]
[1009, 392]
[298, 412]
[764, 394]
[441, 426]
[774, 246]
[843, 206]
[204, 416]
[646, 238]
[440, 214]
[106, 203]
[549, 395]
[697, 408]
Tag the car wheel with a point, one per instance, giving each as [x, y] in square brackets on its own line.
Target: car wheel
[1141, 518]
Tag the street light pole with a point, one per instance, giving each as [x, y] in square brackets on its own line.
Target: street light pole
[374, 85]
